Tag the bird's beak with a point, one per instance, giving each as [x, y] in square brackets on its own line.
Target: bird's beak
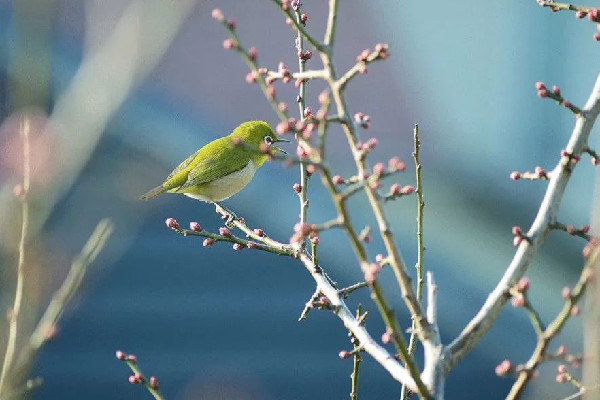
[278, 148]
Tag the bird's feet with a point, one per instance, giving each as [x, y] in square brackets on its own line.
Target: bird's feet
[226, 214]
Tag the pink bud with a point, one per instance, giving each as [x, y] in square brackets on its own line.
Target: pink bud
[172, 223]
[153, 382]
[518, 300]
[371, 143]
[228, 44]
[337, 180]
[378, 169]
[208, 242]
[194, 226]
[120, 355]
[503, 368]
[315, 240]
[556, 90]
[542, 93]
[585, 229]
[523, 284]
[231, 24]
[565, 293]
[297, 188]
[217, 15]
[574, 311]
[562, 368]
[238, 246]
[517, 240]
[515, 176]
[344, 354]
[406, 190]
[516, 231]
[223, 231]
[131, 358]
[252, 53]
[259, 232]
[395, 189]
[323, 97]
[580, 14]
[540, 86]
[386, 337]
[304, 18]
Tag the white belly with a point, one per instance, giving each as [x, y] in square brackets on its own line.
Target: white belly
[227, 186]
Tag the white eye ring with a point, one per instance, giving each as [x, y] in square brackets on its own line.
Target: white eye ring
[268, 140]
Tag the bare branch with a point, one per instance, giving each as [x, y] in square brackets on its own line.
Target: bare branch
[545, 217]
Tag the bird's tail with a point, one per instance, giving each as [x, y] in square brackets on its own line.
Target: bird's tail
[152, 193]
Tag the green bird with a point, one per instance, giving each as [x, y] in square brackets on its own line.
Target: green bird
[222, 167]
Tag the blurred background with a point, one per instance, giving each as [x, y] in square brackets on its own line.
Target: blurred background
[119, 92]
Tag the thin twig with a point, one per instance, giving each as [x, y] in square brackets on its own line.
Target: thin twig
[420, 246]
[16, 308]
[302, 194]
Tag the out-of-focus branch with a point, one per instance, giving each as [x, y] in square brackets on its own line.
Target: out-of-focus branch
[101, 84]
[69, 287]
[16, 306]
[536, 235]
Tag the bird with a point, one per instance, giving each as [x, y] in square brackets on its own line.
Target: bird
[222, 167]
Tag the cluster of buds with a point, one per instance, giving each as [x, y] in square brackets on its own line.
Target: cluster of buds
[594, 16]
[573, 159]
[363, 120]
[286, 76]
[563, 354]
[518, 236]
[582, 231]
[519, 292]
[396, 190]
[538, 173]
[366, 56]
[305, 129]
[252, 76]
[556, 95]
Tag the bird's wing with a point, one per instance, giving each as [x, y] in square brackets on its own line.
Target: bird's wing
[213, 168]
[182, 166]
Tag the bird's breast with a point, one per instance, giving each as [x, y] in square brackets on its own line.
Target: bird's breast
[225, 187]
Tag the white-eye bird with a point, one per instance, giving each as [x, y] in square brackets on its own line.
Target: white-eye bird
[222, 167]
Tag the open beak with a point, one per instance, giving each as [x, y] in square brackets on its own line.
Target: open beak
[279, 148]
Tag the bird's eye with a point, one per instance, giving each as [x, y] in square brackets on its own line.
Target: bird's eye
[268, 140]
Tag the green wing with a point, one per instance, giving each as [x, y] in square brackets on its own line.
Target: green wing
[183, 165]
[224, 160]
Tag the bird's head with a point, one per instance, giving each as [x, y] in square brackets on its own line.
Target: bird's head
[258, 136]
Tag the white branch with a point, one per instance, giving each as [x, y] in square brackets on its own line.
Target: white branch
[546, 215]
[369, 345]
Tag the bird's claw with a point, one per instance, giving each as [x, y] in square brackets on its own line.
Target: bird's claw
[227, 215]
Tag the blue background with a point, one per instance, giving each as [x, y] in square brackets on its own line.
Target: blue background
[212, 323]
